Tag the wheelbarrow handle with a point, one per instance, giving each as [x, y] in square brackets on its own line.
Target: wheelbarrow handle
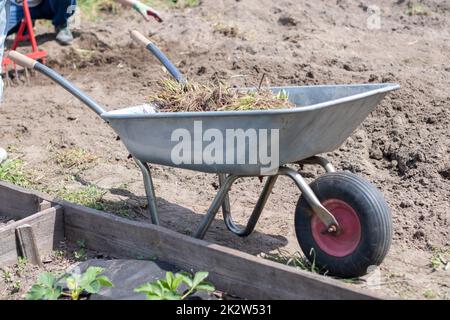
[27, 62]
[138, 37]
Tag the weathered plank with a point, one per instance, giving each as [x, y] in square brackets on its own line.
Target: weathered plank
[232, 271]
[48, 231]
[27, 244]
[17, 203]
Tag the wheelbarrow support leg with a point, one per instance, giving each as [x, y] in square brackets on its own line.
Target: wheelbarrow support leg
[253, 220]
[327, 218]
[215, 205]
[149, 191]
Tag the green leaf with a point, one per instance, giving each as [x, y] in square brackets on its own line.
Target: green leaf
[54, 294]
[93, 287]
[205, 286]
[90, 275]
[153, 297]
[198, 278]
[148, 288]
[46, 279]
[176, 282]
[169, 279]
[104, 281]
[37, 292]
[169, 295]
[186, 278]
[163, 285]
[72, 283]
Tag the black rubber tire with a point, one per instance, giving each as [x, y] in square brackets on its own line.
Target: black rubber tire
[375, 219]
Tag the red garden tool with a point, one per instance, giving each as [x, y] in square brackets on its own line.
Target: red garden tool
[25, 33]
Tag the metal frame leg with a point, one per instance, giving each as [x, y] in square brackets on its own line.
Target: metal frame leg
[253, 220]
[327, 218]
[215, 205]
[149, 190]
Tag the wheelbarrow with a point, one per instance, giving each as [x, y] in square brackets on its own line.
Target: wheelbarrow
[342, 222]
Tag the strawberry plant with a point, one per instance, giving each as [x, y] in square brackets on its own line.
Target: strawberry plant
[48, 288]
[168, 288]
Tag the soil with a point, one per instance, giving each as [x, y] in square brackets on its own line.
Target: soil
[403, 147]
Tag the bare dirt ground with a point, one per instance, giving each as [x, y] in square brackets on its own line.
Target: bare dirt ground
[403, 147]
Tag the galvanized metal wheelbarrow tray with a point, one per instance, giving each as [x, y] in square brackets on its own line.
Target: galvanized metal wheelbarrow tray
[324, 118]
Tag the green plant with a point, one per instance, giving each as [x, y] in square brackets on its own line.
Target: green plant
[296, 260]
[16, 286]
[417, 9]
[47, 287]
[89, 196]
[429, 294]
[21, 265]
[90, 282]
[80, 254]
[7, 275]
[440, 259]
[168, 288]
[12, 171]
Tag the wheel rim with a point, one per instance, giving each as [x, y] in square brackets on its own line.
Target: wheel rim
[346, 241]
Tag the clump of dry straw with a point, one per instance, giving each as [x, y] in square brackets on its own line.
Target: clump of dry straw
[172, 96]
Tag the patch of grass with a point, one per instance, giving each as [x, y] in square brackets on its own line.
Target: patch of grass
[417, 9]
[296, 260]
[75, 158]
[88, 196]
[429, 294]
[12, 171]
[440, 259]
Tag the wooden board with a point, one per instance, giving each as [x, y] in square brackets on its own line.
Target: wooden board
[230, 270]
[17, 203]
[47, 228]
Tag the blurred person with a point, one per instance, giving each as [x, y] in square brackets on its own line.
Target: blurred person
[4, 9]
[59, 12]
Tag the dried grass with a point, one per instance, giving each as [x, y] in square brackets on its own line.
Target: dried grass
[172, 96]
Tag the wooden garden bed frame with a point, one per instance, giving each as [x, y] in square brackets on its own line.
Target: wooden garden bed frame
[42, 223]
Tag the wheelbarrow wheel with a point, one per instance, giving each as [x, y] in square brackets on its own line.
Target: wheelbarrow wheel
[364, 218]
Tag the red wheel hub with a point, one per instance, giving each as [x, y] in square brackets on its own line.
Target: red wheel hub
[338, 244]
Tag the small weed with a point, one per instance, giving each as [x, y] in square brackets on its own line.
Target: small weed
[80, 254]
[88, 196]
[429, 294]
[75, 158]
[16, 286]
[296, 260]
[12, 172]
[21, 265]
[168, 289]
[440, 259]
[7, 275]
[59, 254]
[417, 9]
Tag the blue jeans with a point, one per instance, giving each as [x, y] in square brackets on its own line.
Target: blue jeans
[4, 9]
[59, 11]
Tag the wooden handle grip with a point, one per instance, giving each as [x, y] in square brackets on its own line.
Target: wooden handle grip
[22, 60]
[138, 37]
